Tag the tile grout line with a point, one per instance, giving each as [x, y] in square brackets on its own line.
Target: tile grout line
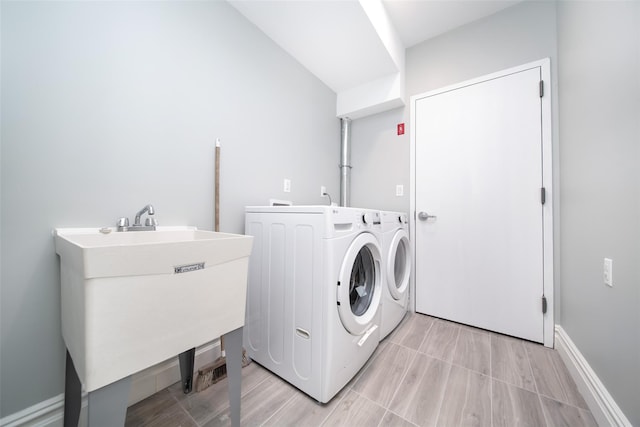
[491, 338]
[371, 401]
[366, 367]
[565, 392]
[514, 385]
[447, 382]
[243, 394]
[283, 404]
[425, 373]
[535, 383]
[400, 416]
[476, 334]
[417, 353]
[405, 321]
[426, 334]
[324, 420]
[185, 410]
[466, 369]
[444, 390]
[564, 403]
[382, 419]
[395, 393]
[441, 359]
[269, 373]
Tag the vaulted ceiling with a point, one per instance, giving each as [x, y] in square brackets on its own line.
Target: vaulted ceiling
[356, 47]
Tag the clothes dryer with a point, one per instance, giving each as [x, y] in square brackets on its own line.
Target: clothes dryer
[314, 292]
[396, 256]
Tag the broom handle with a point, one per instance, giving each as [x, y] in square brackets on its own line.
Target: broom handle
[216, 223]
[216, 219]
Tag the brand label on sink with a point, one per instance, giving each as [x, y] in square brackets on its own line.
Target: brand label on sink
[188, 268]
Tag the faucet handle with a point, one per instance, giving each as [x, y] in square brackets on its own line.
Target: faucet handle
[122, 224]
[151, 222]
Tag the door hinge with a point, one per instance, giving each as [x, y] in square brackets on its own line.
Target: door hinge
[544, 304]
[541, 88]
[543, 195]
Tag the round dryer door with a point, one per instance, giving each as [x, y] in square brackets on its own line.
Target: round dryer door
[399, 264]
[359, 290]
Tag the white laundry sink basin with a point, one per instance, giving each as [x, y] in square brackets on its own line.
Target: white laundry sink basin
[134, 299]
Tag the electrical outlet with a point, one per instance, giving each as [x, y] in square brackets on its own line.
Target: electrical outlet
[287, 185]
[607, 272]
[323, 190]
[399, 190]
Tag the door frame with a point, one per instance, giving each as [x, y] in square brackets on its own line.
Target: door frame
[547, 182]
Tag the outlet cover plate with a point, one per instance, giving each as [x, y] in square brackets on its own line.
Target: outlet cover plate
[607, 272]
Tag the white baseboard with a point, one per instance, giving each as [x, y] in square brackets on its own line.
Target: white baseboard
[50, 413]
[604, 409]
[47, 413]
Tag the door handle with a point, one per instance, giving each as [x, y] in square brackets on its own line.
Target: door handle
[423, 216]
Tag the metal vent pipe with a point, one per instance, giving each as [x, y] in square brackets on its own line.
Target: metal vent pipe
[345, 161]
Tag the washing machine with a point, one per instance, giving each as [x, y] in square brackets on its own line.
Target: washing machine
[314, 293]
[396, 258]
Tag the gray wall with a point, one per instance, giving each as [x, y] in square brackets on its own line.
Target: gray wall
[595, 65]
[107, 106]
[599, 52]
[380, 161]
[520, 34]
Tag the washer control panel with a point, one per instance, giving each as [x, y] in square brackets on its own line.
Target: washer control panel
[371, 218]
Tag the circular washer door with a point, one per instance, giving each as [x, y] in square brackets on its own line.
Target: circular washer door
[359, 290]
[399, 264]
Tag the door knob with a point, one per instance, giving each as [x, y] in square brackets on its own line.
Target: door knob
[423, 216]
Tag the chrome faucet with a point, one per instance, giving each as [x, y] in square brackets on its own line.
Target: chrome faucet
[149, 224]
[148, 209]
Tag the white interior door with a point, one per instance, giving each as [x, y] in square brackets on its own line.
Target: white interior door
[479, 173]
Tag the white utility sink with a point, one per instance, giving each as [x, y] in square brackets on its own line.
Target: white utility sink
[134, 299]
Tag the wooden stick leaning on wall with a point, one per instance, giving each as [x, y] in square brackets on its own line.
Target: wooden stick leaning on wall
[213, 372]
[217, 370]
[216, 210]
[216, 213]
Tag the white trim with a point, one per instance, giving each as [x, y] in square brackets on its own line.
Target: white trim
[412, 202]
[547, 209]
[604, 409]
[50, 412]
[46, 413]
[547, 182]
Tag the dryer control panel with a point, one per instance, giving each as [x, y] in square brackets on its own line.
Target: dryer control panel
[371, 218]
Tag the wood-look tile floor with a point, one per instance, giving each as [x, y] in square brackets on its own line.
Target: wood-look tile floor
[428, 372]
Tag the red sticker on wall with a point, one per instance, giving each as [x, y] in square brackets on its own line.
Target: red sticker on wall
[400, 128]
